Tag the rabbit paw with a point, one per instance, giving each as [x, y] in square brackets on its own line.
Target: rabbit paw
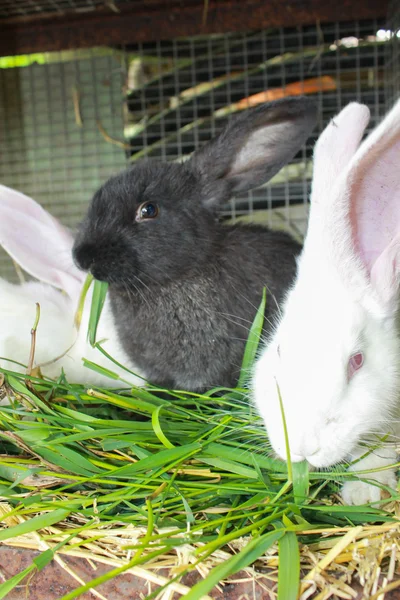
[361, 492]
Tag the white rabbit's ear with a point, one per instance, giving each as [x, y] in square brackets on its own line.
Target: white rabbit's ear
[38, 242]
[373, 197]
[336, 147]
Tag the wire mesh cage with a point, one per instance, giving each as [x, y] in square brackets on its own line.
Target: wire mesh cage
[171, 113]
[69, 120]
[51, 147]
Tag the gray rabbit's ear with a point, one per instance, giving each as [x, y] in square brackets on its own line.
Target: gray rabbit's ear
[254, 146]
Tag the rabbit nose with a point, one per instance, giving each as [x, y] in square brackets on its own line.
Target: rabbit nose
[310, 445]
[84, 256]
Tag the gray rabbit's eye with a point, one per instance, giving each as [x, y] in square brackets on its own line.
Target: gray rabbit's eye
[146, 210]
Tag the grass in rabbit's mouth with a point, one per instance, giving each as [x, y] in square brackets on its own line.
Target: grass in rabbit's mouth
[160, 488]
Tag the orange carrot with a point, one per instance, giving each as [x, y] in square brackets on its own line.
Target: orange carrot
[298, 88]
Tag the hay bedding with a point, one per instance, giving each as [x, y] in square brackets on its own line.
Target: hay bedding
[162, 488]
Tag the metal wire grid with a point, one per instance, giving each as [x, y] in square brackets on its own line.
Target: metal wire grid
[163, 124]
[392, 79]
[45, 153]
[25, 8]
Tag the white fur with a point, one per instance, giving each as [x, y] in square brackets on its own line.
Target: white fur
[344, 300]
[45, 251]
[361, 492]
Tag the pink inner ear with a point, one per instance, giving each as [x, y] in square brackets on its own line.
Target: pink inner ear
[42, 248]
[385, 271]
[375, 214]
[376, 210]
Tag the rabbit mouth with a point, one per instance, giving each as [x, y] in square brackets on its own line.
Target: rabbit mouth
[324, 458]
[99, 273]
[318, 459]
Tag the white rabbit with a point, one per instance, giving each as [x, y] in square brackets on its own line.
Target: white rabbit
[335, 353]
[42, 247]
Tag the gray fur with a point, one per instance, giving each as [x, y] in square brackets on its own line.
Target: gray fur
[184, 288]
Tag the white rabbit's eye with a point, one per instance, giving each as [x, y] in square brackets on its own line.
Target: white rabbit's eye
[355, 363]
[146, 210]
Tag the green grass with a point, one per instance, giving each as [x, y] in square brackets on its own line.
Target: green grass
[139, 475]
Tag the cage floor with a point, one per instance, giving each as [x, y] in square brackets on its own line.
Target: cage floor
[53, 581]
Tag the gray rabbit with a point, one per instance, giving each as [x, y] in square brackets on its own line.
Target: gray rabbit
[184, 288]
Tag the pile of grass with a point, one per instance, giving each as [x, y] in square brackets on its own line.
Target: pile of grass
[159, 483]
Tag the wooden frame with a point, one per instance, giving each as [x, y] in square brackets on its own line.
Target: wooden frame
[149, 20]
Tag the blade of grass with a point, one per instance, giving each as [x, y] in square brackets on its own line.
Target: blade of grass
[252, 342]
[158, 429]
[82, 298]
[20, 387]
[101, 370]
[112, 359]
[99, 296]
[153, 461]
[7, 586]
[254, 549]
[230, 466]
[34, 524]
[38, 563]
[289, 567]
[287, 447]
[301, 481]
